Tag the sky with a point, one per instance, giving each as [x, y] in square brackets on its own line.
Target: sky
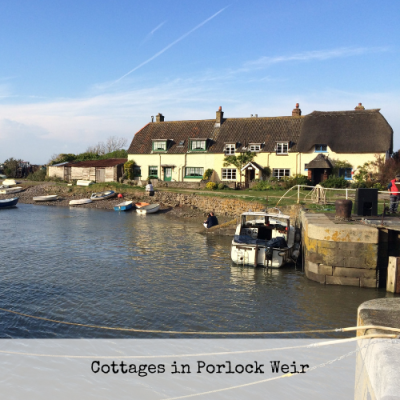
[73, 73]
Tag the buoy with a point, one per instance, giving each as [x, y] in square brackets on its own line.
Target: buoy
[120, 196]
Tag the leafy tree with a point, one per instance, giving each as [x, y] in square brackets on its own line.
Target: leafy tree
[11, 167]
[239, 161]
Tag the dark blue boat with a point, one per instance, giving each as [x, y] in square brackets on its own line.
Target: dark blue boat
[7, 203]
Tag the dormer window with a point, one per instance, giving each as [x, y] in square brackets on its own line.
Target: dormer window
[160, 145]
[321, 148]
[255, 147]
[230, 149]
[282, 148]
[198, 145]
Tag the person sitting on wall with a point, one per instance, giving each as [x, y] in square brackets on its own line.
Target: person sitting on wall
[149, 189]
[210, 221]
[394, 189]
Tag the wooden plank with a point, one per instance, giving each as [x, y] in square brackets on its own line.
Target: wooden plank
[393, 275]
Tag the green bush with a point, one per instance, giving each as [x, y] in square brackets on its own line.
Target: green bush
[221, 186]
[128, 169]
[335, 182]
[299, 179]
[211, 186]
[39, 175]
[262, 185]
[207, 174]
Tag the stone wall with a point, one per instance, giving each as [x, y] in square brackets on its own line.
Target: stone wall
[338, 253]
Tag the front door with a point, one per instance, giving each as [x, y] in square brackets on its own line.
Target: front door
[167, 174]
[249, 176]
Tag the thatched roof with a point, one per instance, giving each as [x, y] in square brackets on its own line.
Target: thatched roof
[319, 162]
[358, 131]
[242, 131]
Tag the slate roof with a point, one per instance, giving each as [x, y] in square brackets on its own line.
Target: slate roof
[266, 130]
[110, 162]
[358, 131]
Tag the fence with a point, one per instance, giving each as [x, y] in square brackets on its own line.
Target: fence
[325, 196]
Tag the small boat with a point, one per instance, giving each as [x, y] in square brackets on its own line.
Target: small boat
[10, 182]
[102, 195]
[8, 203]
[12, 190]
[82, 182]
[140, 205]
[150, 209]
[79, 202]
[265, 239]
[125, 206]
[51, 197]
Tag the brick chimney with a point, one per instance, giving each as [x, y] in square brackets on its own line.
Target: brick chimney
[360, 107]
[159, 117]
[296, 111]
[220, 116]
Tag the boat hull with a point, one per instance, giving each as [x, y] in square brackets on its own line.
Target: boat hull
[45, 198]
[8, 203]
[12, 190]
[79, 202]
[150, 209]
[102, 195]
[127, 205]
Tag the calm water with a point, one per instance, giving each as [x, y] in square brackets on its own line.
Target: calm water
[147, 272]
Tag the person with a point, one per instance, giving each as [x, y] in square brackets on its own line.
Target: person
[149, 189]
[394, 189]
[210, 221]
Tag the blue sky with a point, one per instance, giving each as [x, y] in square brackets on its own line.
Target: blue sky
[73, 73]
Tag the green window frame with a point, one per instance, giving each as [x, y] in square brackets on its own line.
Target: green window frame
[198, 145]
[137, 172]
[194, 172]
[153, 171]
[159, 145]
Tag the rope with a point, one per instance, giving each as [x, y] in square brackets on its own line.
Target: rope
[349, 329]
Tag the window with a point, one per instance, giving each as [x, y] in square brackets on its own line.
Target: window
[197, 145]
[230, 149]
[281, 173]
[153, 171]
[282, 148]
[229, 174]
[345, 173]
[137, 173]
[255, 147]
[194, 172]
[321, 148]
[160, 145]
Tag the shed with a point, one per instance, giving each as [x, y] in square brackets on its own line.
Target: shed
[108, 170]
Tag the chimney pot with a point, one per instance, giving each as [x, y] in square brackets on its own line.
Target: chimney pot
[220, 108]
[360, 107]
[159, 117]
[220, 116]
[296, 112]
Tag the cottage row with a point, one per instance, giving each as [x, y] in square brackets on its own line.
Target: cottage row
[182, 151]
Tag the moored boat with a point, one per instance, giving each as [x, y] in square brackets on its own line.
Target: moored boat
[12, 190]
[10, 182]
[102, 195]
[125, 206]
[79, 202]
[51, 197]
[82, 182]
[265, 239]
[8, 203]
[150, 209]
[140, 205]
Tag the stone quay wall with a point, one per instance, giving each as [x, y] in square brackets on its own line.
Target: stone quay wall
[339, 254]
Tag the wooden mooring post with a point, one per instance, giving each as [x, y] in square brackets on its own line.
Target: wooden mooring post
[393, 275]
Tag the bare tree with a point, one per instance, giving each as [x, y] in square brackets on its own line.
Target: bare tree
[112, 143]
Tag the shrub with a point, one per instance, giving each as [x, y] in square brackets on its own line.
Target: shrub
[39, 175]
[128, 169]
[262, 185]
[335, 182]
[207, 174]
[211, 186]
[266, 172]
[221, 186]
[299, 179]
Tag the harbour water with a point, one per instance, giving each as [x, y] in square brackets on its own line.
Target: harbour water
[149, 272]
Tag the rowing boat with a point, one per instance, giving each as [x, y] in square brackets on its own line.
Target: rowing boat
[125, 206]
[150, 209]
[102, 195]
[51, 197]
[79, 202]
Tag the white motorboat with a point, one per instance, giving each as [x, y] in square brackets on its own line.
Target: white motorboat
[12, 190]
[79, 202]
[265, 239]
[51, 197]
[150, 209]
